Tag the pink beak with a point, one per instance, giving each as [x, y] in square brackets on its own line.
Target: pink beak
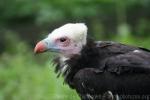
[40, 47]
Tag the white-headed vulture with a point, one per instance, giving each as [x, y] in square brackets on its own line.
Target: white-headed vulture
[98, 70]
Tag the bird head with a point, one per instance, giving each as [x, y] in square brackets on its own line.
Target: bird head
[67, 40]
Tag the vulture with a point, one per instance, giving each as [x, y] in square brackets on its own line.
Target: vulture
[98, 70]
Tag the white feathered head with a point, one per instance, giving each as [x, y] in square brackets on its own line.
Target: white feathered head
[67, 39]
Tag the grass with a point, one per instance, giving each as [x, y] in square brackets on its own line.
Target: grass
[24, 76]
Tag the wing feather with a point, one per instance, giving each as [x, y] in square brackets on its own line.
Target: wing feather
[132, 62]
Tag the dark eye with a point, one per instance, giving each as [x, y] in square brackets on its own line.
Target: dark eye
[63, 39]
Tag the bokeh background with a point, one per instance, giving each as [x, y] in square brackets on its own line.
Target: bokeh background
[25, 76]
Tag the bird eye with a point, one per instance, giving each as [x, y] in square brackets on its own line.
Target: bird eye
[63, 39]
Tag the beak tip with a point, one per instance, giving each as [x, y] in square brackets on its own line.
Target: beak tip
[40, 47]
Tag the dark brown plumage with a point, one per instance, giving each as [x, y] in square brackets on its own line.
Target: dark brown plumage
[109, 66]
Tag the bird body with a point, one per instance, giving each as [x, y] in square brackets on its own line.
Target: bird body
[97, 68]
[109, 66]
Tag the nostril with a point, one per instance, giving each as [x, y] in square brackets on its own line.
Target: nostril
[46, 43]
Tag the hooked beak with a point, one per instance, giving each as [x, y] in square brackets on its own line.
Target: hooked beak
[45, 45]
[40, 47]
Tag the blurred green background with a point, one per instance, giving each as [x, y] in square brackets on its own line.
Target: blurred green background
[25, 76]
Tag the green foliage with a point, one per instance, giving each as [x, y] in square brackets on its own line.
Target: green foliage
[23, 77]
[55, 10]
[13, 44]
[102, 16]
